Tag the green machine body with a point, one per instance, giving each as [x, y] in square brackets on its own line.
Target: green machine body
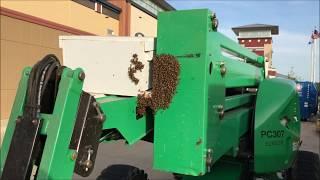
[225, 121]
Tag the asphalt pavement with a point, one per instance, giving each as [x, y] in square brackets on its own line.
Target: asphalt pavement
[310, 137]
[141, 154]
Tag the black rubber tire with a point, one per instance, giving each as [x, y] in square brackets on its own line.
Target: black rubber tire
[122, 172]
[306, 167]
[177, 176]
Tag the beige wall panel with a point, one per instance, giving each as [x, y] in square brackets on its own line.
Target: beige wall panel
[268, 52]
[3, 106]
[33, 33]
[17, 59]
[18, 52]
[66, 12]
[142, 22]
[6, 102]
[28, 55]
[7, 98]
[3, 20]
[3, 125]
[10, 100]
[29, 33]
[20, 31]
[50, 9]
[4, 70]
[88, 20]
[37, 53]
[50, 38]
[12, 29]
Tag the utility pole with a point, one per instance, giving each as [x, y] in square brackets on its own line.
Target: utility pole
[315, 62]
[312, 65]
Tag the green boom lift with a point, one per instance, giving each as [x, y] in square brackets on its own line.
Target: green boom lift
[226, 120]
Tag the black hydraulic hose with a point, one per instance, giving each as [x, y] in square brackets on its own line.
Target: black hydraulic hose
[50, 70]
[38, 80]
[41, 89]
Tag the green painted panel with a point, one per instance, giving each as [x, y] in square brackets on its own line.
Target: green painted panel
[56, 162]
[121, 114]
[237, 50]
[238, 100]
[222, 170]
[181, 128]
[17, 110]
[191, 125]
[237, 77]
[277, 125]
[226, 132]
[239, 73]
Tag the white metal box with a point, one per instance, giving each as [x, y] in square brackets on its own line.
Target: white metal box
[106, 60]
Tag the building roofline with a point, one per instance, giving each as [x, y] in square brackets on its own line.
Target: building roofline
[164, 5]
[161, 3]
[144, 9]
[42, 22]
[111, 10]
[109, 6]
[274, 28]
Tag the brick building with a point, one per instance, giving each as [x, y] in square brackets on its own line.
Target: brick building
[258, 38]
[30, 30]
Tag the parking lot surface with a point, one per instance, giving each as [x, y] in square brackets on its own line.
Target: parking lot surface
[141, 154]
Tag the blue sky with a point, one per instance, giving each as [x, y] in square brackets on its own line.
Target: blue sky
[296, 20]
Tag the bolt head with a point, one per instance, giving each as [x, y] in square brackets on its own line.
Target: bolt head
[220, 110]
[35, 121]
[18, 120]
[209, 158]
[221, 114]
[215, 22]
[101, 117]
[223, 69]
[74, 156]
[209, 161]
[95, 104]
[213, 15]
[82, 76]
[88, 164]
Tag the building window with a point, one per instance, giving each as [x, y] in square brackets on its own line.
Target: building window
[98, 7]
[102, 7]
[110, 32]
[257, 34]
[149, 5]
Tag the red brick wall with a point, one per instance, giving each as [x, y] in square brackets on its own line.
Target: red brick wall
[259, 52]
[254, 42]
